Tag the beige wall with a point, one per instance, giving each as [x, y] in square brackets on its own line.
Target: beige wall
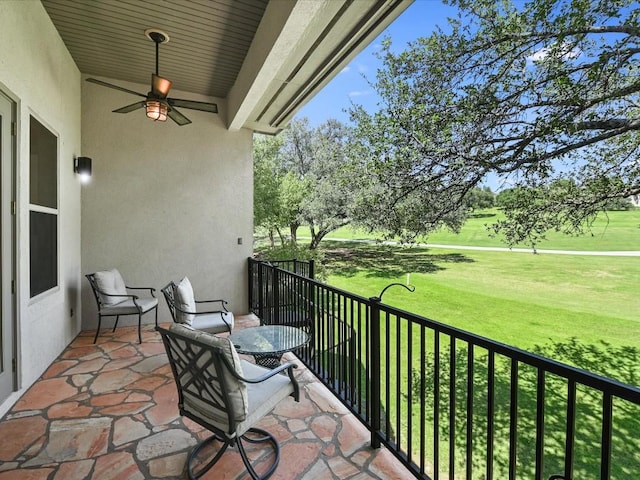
[38, 73]
[165, 201]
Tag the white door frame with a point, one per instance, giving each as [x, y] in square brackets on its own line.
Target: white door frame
[8, 362]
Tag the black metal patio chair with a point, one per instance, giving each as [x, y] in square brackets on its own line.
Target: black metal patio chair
[183, 308]
[113, 299]
[224, 394]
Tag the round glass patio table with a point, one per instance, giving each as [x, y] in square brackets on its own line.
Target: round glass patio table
[267, 343]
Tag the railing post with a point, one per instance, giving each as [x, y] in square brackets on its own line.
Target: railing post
[375, 402]
[312, 269]
[276, 297]
[251, 284]
[262, 292]
[374, 377]
[353, 364]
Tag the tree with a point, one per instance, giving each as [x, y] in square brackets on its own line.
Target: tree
[299, 179]
[316, 156]
[326, 208]
[278, 193]
[480, 198]
[267, 208]
[531, 93]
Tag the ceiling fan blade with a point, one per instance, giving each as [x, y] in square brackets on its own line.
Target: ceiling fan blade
[130, 108]
[110, 85]
[193, 105]
[160, 86]
[177, 117]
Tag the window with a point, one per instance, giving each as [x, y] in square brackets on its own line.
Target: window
[43, 208]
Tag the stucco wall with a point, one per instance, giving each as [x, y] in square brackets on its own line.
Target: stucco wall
[165, 201]
[38, 73]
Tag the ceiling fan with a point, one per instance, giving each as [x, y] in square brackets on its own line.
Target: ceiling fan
[158, 106]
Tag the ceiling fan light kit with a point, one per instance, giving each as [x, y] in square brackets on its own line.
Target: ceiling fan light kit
[157, 110]
[157, 104]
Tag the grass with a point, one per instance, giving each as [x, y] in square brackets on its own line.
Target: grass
[579, 310]
[618, 230]
[523, 300]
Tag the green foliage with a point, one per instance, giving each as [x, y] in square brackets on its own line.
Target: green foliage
[480, 198]
[618, 204]
[532, 93]
[290, 250]
[300, 179]
[266, 182]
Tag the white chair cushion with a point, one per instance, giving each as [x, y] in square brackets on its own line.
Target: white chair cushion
[111, 283]
[213, 322]
[128, 307]
[183, 296]
[263, 396]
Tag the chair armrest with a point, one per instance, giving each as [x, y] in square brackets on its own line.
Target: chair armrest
[261, 378]
[133, 297]
[224, 303]
[198, 313]
[221, 312]
[288, 367]
[269, 374]
[151, 289]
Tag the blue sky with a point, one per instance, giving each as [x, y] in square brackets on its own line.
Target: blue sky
[351, 85]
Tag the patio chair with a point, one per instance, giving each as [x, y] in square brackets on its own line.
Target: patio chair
[113, 300]
[183, 308]
[224, 394]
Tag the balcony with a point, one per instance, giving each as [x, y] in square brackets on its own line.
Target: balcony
[109, 411]
[439, 402]
[448, 403]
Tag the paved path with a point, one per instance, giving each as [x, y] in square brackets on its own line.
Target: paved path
[622, 253]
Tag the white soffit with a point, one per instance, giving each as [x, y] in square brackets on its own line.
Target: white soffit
[298, 48]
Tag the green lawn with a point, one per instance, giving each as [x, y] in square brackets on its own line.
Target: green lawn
[611, 231]
[521, 299]
[580, 310]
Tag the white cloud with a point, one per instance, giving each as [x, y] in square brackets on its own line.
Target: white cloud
[360, 93]
[345, 69]
[362, 68]
[544, 52]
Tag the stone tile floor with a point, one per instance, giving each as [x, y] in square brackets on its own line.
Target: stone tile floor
[109, 411]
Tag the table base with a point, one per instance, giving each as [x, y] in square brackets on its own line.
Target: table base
[268, 360]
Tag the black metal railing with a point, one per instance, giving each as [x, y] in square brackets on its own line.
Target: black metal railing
[451, 404]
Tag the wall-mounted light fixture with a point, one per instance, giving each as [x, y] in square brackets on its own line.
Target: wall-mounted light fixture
[82, 166]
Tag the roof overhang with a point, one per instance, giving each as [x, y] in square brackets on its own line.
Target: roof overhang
[264, 59]
[298, 48]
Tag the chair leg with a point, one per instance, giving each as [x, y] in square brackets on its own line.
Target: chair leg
[116, 324]
[156, 316]
[98, 329]
[139, 327]
[264, 437]
[194, 453]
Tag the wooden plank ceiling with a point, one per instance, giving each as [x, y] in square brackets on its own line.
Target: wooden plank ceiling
[208, 39]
